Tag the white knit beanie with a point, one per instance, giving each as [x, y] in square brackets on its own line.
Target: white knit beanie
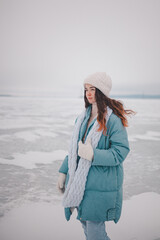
[100, 80]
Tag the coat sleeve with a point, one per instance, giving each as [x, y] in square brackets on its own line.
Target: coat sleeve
[119, 146]
[64, 166]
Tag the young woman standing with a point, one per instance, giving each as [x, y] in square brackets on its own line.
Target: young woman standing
[91, 175]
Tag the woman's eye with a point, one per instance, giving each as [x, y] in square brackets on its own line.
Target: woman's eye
[92, 89]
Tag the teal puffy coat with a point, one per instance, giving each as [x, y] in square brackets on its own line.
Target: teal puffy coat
[103, 195]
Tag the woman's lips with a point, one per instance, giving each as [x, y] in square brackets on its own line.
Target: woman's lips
[89, 98]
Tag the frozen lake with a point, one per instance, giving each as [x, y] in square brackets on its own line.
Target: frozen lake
[34, 139]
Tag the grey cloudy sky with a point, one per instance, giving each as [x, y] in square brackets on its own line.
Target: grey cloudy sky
[47, 45]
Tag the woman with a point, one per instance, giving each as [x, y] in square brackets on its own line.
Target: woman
[91, 175]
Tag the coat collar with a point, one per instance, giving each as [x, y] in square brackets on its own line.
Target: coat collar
[84, 123]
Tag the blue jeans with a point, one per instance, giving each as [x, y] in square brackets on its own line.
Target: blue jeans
[94, 230]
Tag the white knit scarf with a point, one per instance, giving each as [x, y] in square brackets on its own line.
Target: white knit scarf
[74, 191]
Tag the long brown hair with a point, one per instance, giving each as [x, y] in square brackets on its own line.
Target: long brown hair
[102, 103]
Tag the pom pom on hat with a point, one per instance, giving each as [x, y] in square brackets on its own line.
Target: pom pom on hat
[100, 80]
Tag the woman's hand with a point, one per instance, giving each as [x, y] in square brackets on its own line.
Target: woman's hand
[85, 150]
[61, 182]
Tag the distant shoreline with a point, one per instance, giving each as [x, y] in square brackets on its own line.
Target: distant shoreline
[135, 96]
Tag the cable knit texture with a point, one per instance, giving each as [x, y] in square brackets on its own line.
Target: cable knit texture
[100, 80]
[74, 191]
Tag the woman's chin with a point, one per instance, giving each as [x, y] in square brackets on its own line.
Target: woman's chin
[90, 101]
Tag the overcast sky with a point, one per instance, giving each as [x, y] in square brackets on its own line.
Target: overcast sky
[51, 44]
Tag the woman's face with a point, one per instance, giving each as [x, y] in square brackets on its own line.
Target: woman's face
[90, 93]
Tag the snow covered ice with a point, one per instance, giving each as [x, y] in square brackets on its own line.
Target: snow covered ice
[34, 139]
